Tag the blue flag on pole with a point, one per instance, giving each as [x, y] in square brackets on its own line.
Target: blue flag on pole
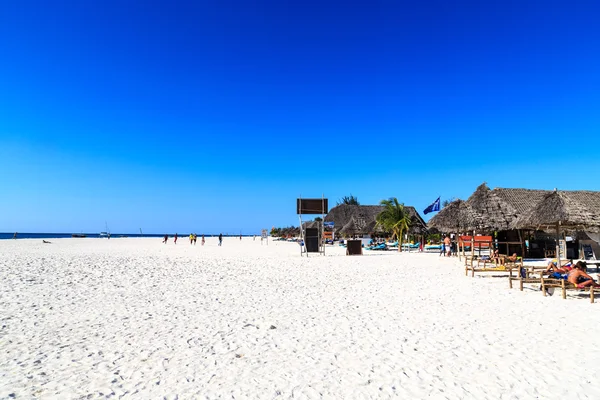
[435, 206]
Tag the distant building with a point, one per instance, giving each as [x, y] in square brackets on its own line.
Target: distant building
[361, 220]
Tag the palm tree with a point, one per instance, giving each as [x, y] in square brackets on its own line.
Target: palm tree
[349, 200]
[448, 201]
[394, 218]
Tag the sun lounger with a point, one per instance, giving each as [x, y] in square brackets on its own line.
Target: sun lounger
[487, 265]
[381, 246]
[411, 245]
[435, 247]
[526, 275]
[565, 285]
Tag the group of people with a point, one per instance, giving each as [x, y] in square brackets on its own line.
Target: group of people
[501, 259]
[573, 273]
[193, 239]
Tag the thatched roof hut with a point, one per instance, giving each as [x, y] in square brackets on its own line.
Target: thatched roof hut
[568, 209]
[457, 216]
[502, 209]
[491, 210]
[311, 224]
[361, 220]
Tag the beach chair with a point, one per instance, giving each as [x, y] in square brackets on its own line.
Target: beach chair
[434, 247]
[565, 285]
[487, 265]
[411, 245]
[526, 275]
[381, 246]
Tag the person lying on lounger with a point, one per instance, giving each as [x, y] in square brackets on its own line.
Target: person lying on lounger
[553, 267]
[499, 259]
[579, 277]
[496, 256]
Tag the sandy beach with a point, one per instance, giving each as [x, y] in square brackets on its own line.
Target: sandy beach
[133, 318]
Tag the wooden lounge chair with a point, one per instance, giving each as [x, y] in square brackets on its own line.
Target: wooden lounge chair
[527, 276]
[565, 285]
[490, 266]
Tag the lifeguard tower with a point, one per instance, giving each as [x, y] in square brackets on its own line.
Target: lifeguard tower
[312, 237]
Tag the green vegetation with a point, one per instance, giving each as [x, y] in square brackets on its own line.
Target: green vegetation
[351, 200]
[394, 219]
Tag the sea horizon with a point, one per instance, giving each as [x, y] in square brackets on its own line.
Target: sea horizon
[62, 235]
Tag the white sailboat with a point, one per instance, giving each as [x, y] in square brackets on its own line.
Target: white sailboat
[105, 234]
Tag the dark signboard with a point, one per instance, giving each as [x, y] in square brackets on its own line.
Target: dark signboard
[312, 206]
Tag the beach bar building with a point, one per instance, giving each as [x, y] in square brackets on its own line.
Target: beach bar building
[526, 221]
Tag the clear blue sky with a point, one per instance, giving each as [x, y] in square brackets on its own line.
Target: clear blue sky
[191, 116]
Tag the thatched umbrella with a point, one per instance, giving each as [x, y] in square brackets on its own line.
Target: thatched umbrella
[418, 226]
[349, 228]
[560, 209]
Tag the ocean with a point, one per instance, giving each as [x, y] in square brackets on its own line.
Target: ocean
[24, 235]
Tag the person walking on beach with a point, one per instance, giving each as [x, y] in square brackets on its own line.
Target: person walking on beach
[175, 238]
[448, 245]
[166, 238]
[240, 236]
[195, 238]
[220, 239]
[203, 240]
[191, 238]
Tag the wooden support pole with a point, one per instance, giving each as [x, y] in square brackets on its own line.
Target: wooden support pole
[543, 286]
[558, 244]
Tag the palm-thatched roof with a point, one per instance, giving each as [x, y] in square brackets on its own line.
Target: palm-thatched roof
[417, 223]
[455, 217]
[353, 219]
[570, 209]
[491, 210]
[311, 224]
[520, 200]
[507, 208]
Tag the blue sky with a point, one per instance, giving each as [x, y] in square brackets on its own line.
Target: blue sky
[215, 116]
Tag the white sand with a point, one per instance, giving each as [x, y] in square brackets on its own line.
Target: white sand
[132, 318]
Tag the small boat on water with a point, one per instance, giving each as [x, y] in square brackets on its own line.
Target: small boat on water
[78, 235]
[105, 234]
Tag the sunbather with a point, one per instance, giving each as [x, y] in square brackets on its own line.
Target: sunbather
[580, 278]
[497, 258]
[553, 267]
